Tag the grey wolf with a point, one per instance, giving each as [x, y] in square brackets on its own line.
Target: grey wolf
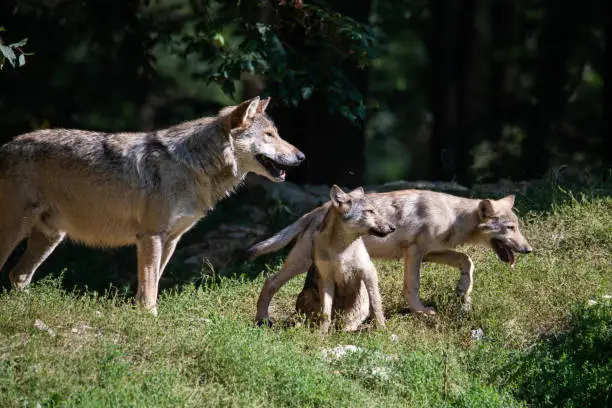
[429, 226]
[342, 263]
[117, 189]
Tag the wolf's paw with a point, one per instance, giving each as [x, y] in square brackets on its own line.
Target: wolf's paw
[423, 311]
[265, 322]
[466, 304]
[19, 282]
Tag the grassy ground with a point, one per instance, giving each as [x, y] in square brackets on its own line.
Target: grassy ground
[547, 341]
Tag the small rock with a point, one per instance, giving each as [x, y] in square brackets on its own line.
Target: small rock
[607, 297]
[40, 325]
[381, 372]
[477, 334]
[394, 338]
[99, 313]
[339, 351]
[591, 302]
[558, 237]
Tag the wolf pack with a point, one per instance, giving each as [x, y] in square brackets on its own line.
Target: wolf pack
[147, 189]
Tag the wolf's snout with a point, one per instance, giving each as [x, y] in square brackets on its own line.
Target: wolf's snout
[526, 250]
[299, 156]
[392, 228]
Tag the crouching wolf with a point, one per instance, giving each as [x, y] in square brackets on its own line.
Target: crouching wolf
[116, 189]
[341, 261]
[429, 226]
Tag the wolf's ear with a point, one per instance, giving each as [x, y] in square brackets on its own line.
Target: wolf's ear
[242, 114]
[358, 192]
[263, 104]
[340, 200]
[507, 200]
[485, 209]
[338, 196]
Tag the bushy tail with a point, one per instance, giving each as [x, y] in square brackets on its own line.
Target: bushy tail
[284, 236]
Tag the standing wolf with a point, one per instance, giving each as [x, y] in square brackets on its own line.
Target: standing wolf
[429, 226]
[116, 189]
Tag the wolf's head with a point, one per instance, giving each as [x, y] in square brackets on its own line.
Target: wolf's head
[499, 228]
[257, 145]
[359, 213]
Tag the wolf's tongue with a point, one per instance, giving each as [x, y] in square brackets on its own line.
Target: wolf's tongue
[511, 259]
[282, 175]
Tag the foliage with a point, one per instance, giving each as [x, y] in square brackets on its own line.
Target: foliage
[507, 89]
[478, 91]
[570, 369]
[297, 50]
[13, 53]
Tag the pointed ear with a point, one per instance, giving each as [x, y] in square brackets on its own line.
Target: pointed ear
[358, 192]
[263, 104]
[338, 196]
[508, 201]
[242, 114]
[485, 209]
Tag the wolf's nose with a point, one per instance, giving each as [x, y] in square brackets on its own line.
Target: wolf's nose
[527, 250]
[392, 228]
[300, 156]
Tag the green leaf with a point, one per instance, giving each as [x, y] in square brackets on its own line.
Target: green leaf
[2, 28]
[8, 53]
[19, 43]
[219, 40]
[306, 92]
[21, 60]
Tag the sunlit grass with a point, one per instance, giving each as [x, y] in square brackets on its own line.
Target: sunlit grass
[544, 342]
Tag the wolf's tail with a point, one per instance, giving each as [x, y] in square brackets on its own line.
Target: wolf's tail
[284, 236]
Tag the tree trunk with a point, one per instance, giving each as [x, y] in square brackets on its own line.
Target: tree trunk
[443, 98]
[505, 26]
[550, 78]
[607, 93]
[468, 69]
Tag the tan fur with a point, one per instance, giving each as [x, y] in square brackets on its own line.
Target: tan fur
[341, 260]
[147, 189]
[429, 226]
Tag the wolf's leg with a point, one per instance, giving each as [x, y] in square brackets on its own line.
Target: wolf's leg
[149, 259]
[465, 265]
[412, 280]
[370, 278]
[14, 221]
[308, 302]
[298, 261]
[10, 236]
[326, 294]
[356, 309]
[40, 246]
[167, 252]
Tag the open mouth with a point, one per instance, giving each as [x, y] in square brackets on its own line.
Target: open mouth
[503, 251]
[379, 233]
[276, 169]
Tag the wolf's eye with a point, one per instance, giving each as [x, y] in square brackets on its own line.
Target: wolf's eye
[268, 134]
[511, 227]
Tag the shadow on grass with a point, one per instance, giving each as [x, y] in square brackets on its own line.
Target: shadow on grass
[569, 370]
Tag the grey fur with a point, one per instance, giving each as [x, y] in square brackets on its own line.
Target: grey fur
[115, 189]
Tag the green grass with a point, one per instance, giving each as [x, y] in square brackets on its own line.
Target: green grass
[545, 344]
